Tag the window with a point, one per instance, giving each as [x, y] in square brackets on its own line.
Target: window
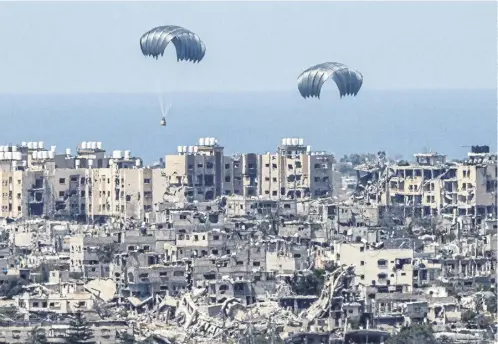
[362, 263]
[62, 180]
[146, 181]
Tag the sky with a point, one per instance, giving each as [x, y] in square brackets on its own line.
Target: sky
[93, 47]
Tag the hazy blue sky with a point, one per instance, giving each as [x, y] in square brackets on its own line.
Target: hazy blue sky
[94, 46]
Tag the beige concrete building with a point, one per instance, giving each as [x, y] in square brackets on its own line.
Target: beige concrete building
[388, 270]
[295, 172]
[11, 202]
[433, 186]
[104, 332]
[195, 173]
[202, 172]
[240, 175]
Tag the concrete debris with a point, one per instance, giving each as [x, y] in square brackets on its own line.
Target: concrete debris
[415, 243]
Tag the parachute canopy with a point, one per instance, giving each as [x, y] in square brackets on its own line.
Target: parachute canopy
[348, 80]
[189, 46]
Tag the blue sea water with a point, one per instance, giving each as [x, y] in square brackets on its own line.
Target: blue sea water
[399, 122]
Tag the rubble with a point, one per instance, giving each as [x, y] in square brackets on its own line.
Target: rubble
[284, 270]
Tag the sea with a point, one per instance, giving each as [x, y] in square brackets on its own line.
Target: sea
[399, 122]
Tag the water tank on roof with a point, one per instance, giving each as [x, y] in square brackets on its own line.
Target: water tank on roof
[40, 144]
[202, 142]
[117, 154]
[99, 145]
[68, 151]
[51, 155]
[35, 145]
[30, 145]
[24, 144]
[127, 154]
[84, 145]
[301, 141]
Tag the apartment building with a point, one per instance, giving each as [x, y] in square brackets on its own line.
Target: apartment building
[202, 173]
[88, 185]
[389, 270]
[295, 172]
[84, 255]
[12, 189]
[104, 332]
[240, 175]
[195, 173]
[433, 186]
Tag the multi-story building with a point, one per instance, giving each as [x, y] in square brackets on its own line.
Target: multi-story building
[295, 172]
[90, 185]
[433, 186]
[240, 175]
[388, 270]
[12, 190]
[84, 255]
[202, 172]
[196, 172]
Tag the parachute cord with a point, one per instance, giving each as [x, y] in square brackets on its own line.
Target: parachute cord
[160, 97]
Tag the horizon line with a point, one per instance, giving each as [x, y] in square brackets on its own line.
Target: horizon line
[233, 92]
